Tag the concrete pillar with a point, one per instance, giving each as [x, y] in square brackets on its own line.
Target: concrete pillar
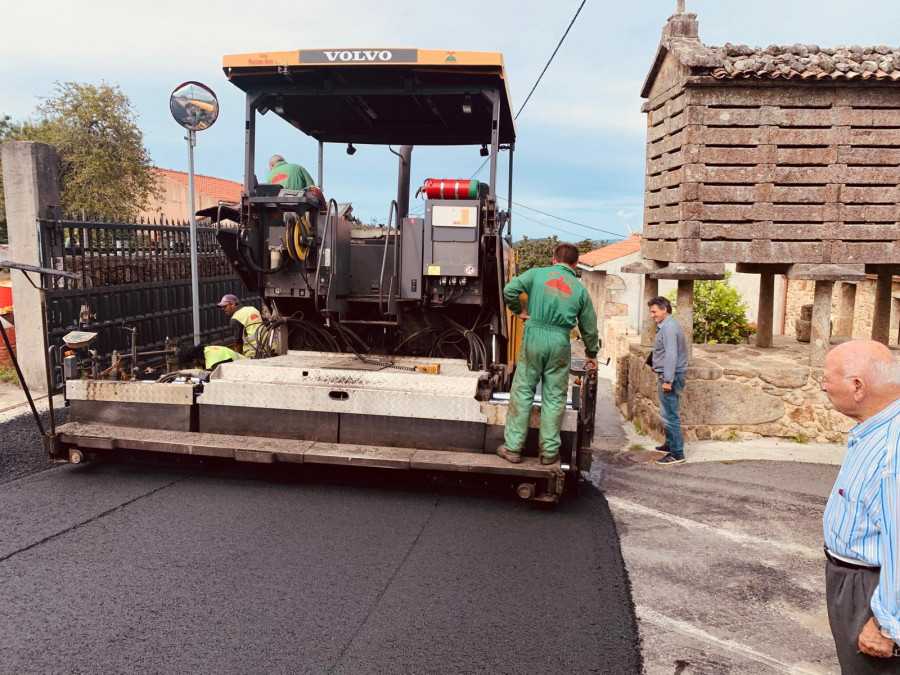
[881, 321]
[686, 313]
[648, 328]
[765, 313]
[820, 331]
[31, 190]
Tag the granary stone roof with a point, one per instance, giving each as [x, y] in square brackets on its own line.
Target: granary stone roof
[803, 62]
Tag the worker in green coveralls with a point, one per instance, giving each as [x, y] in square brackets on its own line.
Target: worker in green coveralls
[556, 301]
[289, 176]
[209, 356]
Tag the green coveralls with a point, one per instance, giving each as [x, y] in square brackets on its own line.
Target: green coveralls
[290, 176]
[556, 299]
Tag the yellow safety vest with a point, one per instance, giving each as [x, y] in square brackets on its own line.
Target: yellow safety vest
[216, 354]
[251, 319]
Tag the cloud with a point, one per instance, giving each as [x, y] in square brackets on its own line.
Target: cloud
[622, 214]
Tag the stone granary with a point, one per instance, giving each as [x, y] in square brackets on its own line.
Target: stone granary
[784, 160]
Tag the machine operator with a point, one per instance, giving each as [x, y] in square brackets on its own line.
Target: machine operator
[556, 301]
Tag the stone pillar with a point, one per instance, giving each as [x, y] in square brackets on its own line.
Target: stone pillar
[881, 321]
[686, 313]
[820, 331]
[648, 328]
[766, 311]
[843, 320]
[31, 189]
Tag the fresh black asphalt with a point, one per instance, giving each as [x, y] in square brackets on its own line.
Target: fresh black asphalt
[165, 568]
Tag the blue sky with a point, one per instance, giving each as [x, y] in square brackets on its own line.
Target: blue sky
[580, 145]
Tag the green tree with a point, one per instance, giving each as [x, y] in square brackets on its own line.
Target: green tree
[104, 169]
[719, 312]
[539, 252]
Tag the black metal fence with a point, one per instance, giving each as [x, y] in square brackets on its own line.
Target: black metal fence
[136, 275]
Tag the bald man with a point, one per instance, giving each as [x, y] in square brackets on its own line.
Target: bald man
[862, 516]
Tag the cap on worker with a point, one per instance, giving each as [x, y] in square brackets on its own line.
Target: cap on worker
[228, 299]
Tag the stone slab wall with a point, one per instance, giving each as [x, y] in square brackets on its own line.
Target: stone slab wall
[800, 293]
[735, 391]
[773, 173]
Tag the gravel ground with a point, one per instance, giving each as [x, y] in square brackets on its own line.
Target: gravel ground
[20, 442]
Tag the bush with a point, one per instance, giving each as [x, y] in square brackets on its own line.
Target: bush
[719, 313]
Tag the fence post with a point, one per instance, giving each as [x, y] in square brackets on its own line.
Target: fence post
[31, 189]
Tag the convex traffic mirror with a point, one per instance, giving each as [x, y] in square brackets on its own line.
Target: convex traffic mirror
[194, 106]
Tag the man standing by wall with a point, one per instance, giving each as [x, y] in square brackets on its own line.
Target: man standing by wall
[862, 516]
[669, 361]
[556, 300]
[245, 321]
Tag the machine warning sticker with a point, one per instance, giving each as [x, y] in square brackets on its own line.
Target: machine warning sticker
[454, 216]
[470, 270]
[434, 270]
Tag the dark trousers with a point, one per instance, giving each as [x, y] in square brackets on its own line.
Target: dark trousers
[848, 594]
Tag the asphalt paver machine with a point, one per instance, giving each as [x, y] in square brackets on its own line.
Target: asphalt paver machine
[384, 346]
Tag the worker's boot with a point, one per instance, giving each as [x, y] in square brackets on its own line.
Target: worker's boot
[547, 461]
[509, 455]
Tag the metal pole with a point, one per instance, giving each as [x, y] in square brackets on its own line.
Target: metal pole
[15, 362]
[321, 164]
[191, 138]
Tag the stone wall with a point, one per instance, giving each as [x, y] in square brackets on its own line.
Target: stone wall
[735, 390]
[859, 321]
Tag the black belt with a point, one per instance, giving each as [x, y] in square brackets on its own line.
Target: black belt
[848, 565]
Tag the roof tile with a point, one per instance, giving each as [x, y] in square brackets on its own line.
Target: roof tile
[618, 250]
[218, 188]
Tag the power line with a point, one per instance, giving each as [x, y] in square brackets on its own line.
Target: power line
[538, 81]
[571, 23]
[542, 224]
[565, 220]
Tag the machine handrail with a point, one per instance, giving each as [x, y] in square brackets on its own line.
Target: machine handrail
[395, 209]
[321, 254]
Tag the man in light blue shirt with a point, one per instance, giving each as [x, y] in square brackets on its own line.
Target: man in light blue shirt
[669, 360]
[862, 516]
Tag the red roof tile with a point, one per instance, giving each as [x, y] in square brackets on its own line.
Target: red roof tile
[218, 188]
[618, 250]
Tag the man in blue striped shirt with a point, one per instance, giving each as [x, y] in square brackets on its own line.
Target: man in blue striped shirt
[862, 516]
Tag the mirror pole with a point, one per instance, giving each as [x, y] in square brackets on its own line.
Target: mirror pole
[191, 138]
[321, 164]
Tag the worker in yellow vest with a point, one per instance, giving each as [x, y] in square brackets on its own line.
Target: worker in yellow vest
[245, 322]
[210, 356]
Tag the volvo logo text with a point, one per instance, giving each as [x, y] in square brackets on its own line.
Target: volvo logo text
[360, 55]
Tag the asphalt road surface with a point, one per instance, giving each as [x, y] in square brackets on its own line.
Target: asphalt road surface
[131, 567]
